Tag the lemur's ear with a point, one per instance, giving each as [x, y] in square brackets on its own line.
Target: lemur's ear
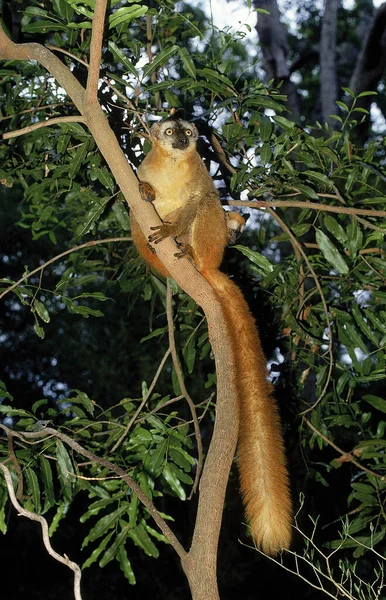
[154, 130]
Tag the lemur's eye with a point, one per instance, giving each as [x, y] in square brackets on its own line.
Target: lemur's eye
[169, 131]
[188, 132]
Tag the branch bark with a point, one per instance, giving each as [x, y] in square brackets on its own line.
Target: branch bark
[200, 564]
[44, 526]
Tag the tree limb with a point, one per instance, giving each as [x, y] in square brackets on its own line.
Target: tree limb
[43, 524]
[47, 123]
[49, 431]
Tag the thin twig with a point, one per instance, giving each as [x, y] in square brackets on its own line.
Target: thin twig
[46, 538]
[149, 51]
[348, 210]
[184, 391]
[144, 401]
[59, 256]
[35, 109]
[347, 455]
[48, 122]
[325, 307]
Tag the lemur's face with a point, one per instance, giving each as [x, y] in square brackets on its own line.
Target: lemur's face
[175, 135]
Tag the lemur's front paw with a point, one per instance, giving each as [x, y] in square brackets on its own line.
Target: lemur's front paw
[146, 191]
[161, 232]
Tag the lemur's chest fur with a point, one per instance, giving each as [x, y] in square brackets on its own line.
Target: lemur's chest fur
[173, 183]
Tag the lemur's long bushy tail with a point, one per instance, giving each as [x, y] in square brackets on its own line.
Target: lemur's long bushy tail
[261, 458]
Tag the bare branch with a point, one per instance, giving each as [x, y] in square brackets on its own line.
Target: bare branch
[59, 256]
[48, 122]
[348, 457]
[346, 210]
[95, 52]
[143, 403]
[181, 383]
[43, 524]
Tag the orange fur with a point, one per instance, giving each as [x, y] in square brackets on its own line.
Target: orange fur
[188, 203]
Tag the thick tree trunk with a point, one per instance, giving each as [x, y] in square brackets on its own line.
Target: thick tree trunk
[328, 65]
[370, 65]
[273, 40]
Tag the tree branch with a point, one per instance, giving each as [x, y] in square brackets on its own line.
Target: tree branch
[43, 524]
[49, 431]
[58, 257]
[181, 383]
[346, 210]
[48, 122]
[98, 22]
[143, 403]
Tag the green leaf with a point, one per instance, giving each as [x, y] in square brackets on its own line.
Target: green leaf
[331, 253]
[133, 510]
[41, 311]
[174, 482]
[111, 552]
[98, 551]
[187, 62]
[126, 14]
[104, 524]
[189, 353]
[3, 521]
[33, 488]
[105, 178]
[78, 159]
[154, 461]
[319, 177]
[59, 515]
[376, 402]
[335, 229]
[160, 59]
[121, 56]
[84, 400]
[142, 539]
[65, 470]
[37, 404]
[125, 565]
[363, 324]
[13, 412]
[43, 26]
[266, 127]
[97, 208]
[48, 483]
[265, 153]
[284, 123]
[257, 258]
[367, 93]
[39, 331]
[308, 191]
[354, 237]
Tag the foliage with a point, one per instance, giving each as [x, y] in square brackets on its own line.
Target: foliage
[316, 252]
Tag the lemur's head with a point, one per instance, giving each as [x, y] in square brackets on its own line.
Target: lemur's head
[174, 136]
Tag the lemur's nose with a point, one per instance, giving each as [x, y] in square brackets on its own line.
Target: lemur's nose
[183, 140]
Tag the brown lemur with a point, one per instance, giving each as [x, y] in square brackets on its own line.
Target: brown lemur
[176, 180]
